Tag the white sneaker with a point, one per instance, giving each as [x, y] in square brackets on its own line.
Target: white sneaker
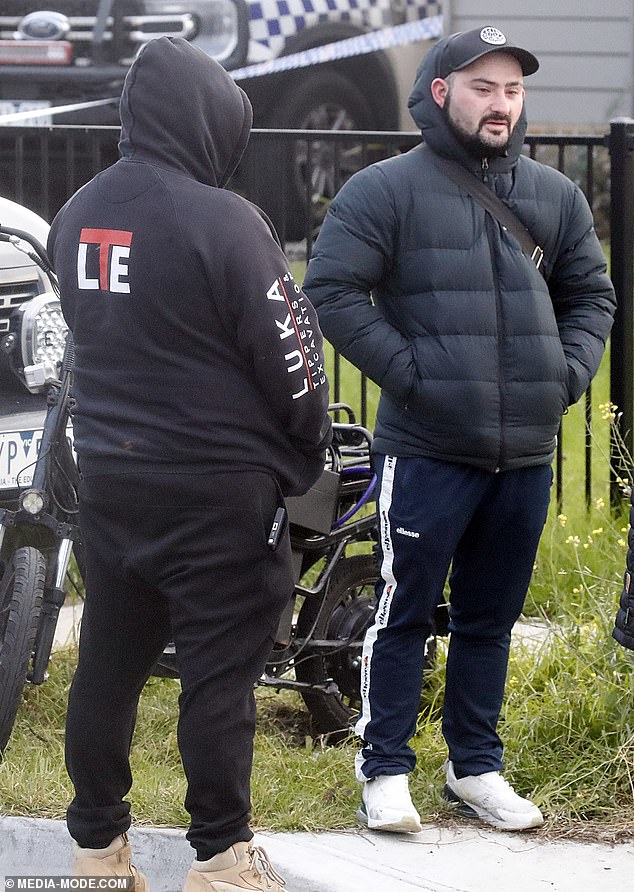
[492, 799]
[387, 805]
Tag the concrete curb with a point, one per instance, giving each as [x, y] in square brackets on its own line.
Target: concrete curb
[438, 859]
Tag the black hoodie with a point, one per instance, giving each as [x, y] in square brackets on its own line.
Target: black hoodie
[195, 349]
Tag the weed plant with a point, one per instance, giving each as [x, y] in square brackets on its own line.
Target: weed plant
[567, 721]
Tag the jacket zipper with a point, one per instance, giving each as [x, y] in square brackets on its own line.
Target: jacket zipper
[498, 311]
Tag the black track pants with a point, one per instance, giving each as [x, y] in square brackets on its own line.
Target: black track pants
[182, 556]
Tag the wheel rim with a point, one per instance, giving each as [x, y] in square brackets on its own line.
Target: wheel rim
[330, 164]
[349, 621]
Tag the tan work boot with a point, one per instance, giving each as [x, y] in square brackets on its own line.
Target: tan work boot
[242, 866]
[113, 861]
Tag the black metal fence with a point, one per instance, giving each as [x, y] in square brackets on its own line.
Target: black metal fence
[292, 175]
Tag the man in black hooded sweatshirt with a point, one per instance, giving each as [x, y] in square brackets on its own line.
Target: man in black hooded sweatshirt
[201, 402]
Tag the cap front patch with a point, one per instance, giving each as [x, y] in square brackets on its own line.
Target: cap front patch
[492, 36]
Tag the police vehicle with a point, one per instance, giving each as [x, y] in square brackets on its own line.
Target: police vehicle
[68, 52]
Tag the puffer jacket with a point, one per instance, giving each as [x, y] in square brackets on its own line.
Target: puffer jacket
[477, 354]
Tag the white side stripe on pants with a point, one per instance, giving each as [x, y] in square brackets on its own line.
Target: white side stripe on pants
[382, 614]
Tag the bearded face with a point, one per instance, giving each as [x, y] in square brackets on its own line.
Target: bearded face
[484, 102]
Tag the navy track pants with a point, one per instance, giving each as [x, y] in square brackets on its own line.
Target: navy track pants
[486, 526]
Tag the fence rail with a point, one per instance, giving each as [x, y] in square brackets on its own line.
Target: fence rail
[292, 175]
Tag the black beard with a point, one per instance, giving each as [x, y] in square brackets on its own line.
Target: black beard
[474, 145]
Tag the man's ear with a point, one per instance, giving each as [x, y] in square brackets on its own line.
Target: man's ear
[439, 90]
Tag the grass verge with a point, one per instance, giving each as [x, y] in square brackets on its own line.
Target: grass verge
[567, 721]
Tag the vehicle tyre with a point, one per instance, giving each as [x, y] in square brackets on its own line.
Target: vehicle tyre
[21, 590]
[347, 612]
[323, 100]
[348, 609]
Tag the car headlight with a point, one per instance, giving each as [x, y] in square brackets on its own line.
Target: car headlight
[217, 32]
[220, 27]
[42, 336]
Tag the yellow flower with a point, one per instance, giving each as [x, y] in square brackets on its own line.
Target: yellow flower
[563, 520]
[597, 532]
[608, 411]
[573, 540]
[621, 543]
[599, 503]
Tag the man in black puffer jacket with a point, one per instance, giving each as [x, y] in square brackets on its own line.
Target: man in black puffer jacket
[478, 354]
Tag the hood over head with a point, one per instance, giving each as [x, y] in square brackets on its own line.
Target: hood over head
[455, 53]
[179, 108]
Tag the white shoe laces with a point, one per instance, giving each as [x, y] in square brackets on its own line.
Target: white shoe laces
[259, 863]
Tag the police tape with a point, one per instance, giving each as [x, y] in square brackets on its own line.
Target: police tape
[361, 44]
[18, 117]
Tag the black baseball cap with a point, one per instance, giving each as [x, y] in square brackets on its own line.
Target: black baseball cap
[465, 47]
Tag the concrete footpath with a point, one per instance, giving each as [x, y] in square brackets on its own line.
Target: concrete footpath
[439, 859]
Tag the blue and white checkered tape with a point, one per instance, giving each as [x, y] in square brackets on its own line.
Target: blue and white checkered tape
[272, 22]
[399, 35]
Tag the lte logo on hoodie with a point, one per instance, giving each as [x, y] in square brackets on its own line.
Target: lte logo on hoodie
[102, 260]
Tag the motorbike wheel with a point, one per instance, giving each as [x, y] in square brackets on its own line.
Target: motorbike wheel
[346, 613]
[21, 589]
[348, 609]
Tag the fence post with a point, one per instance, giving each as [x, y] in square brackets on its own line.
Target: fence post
[621, 145]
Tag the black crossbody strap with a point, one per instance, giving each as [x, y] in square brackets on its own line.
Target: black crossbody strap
[491, 203]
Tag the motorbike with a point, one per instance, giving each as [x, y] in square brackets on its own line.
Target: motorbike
[39, 532]
[319, 642]
[317, 650]
[333, 531]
